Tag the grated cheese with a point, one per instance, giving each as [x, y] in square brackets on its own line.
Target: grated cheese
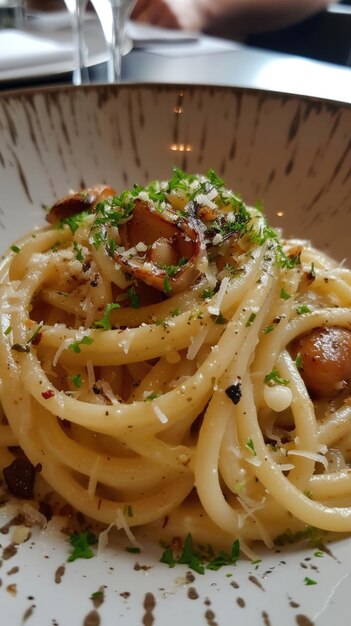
[160, 415]
[103, 539]
[313, 456]
[215, 309]
[91, 374]
[196, 343]
[205, 200]
[121, 522]
[93, 477]
[64, 345]
[125, 343]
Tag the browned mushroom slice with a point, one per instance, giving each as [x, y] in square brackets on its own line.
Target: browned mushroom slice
[326, 360]
[162, 249]
[85, 200]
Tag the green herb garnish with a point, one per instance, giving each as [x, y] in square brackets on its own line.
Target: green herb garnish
[128, 511]
[284, 295]
[74, 221]
[298, 361]
[77, 380]
[133, 298]
[309, 581]
[85, 341]
[78, 251]
[105, 322]
[273, 377]
[303, 308]
[81, 543]
[250, 446]
[251, 319]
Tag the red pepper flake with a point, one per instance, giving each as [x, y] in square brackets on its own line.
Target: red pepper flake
[48, 394]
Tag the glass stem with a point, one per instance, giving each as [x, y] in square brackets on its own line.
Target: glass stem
[80, 71]
[121, 10]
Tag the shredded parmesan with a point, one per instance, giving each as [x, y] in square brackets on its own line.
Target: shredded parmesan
[215, 309]
[121, 522]
[107, 391]
[93, 477]
[126, 343]
[205, 200]
[103, 538]
[196, 343]
[254, 460]
[30, 511]
[160, 415]
[20, 534]
[91, 375]
[314, 456]
[64, 345]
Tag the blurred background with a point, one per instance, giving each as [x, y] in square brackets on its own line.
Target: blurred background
[325, 35]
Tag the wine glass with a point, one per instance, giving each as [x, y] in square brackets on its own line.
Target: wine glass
[113, 16]
[76, 10]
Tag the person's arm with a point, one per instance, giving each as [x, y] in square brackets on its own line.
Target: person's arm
[240, 16]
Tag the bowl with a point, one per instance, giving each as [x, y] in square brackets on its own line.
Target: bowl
[289, 153]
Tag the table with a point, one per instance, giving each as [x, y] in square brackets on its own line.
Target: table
[230, 64]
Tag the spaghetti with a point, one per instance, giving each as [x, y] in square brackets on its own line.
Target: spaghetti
[156, 353]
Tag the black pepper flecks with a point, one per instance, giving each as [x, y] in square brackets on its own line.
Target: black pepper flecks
[234, 392]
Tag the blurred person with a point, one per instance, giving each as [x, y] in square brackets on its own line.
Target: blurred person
[235, 19]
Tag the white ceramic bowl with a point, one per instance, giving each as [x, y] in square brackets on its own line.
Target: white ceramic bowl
[291, 153]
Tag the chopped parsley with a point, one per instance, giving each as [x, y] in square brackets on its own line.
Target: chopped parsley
[312, 272]
[309, 581]
[74, 221]
[314, 536]
[175, 312]
[128, 511]
[133, 298]
[105, 322]
[298, 361]
[85, 341]
[81, 543]
[196, 562]
[15, 249]
[268, 329]
[207, 294]
[8, 330]
[151, 397]
[78, 251]
[34, 338]
[273, 377]
[251, 447]
[303, 308]
[319, 553]
[166, 284]
[171, 271]
[284, 295]
[224, 558]
[77, 380]
[251, 319]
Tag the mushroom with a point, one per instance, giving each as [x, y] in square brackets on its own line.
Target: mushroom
[326, 360]
[161, 248]
[84, 200]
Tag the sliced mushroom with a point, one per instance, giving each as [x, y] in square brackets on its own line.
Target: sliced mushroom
[161, 249]
[326, 360]
[84, 200]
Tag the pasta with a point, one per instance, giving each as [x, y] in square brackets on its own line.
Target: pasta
[169, 361]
